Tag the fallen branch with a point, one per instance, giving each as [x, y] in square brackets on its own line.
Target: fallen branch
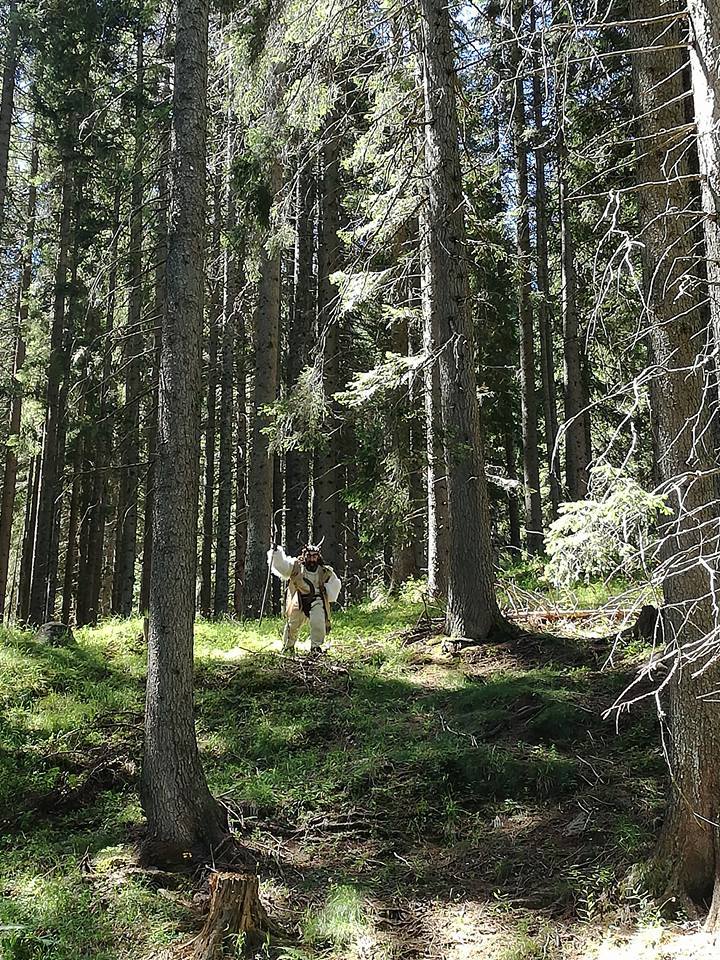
[552, 615]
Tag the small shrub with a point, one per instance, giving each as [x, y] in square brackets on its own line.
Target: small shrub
[611, 530]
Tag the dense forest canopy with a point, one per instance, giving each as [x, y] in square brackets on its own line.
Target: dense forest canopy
[433, 290]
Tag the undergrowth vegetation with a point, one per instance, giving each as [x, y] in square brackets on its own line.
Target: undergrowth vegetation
[375, 787]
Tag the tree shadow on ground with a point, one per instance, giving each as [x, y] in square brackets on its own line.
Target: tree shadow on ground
[490, 786]
[380, 793]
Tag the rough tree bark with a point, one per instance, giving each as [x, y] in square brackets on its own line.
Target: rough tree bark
[688, 847]
[472, 605]
[182, 817]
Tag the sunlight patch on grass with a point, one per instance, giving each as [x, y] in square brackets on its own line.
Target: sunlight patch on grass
[343, 919]
[654, 942]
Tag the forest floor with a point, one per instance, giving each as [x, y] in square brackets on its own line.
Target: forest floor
[402, 802]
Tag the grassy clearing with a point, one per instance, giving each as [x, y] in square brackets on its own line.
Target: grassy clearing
[401, 803]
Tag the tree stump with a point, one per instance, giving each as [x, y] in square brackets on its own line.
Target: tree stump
[56, 634]
[235, 908]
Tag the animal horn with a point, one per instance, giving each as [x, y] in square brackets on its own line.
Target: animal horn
[321, 543]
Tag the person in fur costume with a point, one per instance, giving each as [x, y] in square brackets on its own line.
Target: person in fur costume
[312, 585]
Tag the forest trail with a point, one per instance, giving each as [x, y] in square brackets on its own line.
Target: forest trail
[401, 802]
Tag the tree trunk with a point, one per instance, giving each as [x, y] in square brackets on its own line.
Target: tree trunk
[327, 485]
[40, 587]
[227, 382]
[71, 549]
[437, 503]
[530, 457]
[544, 310]
[577, 454]
[183, 818]
[7, 101]
[158, 320]
[302, 318]
[404, 561]
[240, 465]
[511, 467]
[266, 328]
[472, 605]
[88, 601]
[208, 522]
[705, 72]
[7, 501]
[31, 499]
[673, 317]
[127, 514]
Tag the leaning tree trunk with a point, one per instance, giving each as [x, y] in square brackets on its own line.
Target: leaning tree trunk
[688, 846]
[266, 331]
[182, 817]
[472, 605]
[7, 502]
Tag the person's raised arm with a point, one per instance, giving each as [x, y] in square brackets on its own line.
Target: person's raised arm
[332, 587]
[280, 564]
